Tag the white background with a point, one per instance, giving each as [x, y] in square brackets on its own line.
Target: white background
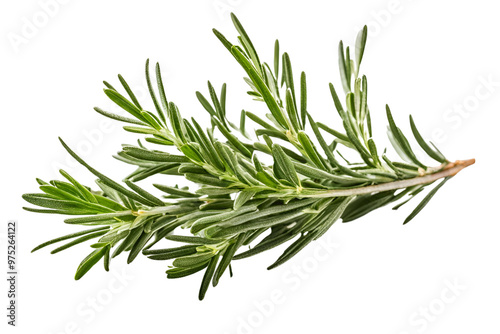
[427, 58]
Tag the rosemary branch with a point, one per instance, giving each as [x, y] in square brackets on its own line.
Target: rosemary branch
[241, 201]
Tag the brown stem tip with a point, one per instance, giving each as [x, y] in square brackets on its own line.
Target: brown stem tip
[458, 165]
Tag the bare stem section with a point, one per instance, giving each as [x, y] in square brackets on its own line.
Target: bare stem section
[449, 170]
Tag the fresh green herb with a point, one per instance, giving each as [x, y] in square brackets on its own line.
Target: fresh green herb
[299, 196]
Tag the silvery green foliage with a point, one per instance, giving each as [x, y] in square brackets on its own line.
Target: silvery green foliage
[240, 201]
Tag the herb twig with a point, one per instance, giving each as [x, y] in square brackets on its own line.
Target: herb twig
[241, 202]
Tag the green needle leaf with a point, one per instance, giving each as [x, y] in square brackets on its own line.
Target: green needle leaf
[78, 241]
[209, 273]
[276, 58]
[118, 117]
[152, 92]
[161, 90]
[174, 191]
[287, 65]
[125, 104]
[360, 47]
[285, 164]
[193, 260]
[426, 200]
[243, 197]
[247, 42]
[147, 155]
[303, 99]
[292, 112]
[192, 240]
[90, 261]
[106, 180]
[170, 253]
[129, 91]
[291, 251]
[227, 257]
[401, 141]
[69, 236]
[310, 150]
[436, 155]
[343, 66]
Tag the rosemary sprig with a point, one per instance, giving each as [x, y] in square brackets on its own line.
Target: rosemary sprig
[298, 197]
